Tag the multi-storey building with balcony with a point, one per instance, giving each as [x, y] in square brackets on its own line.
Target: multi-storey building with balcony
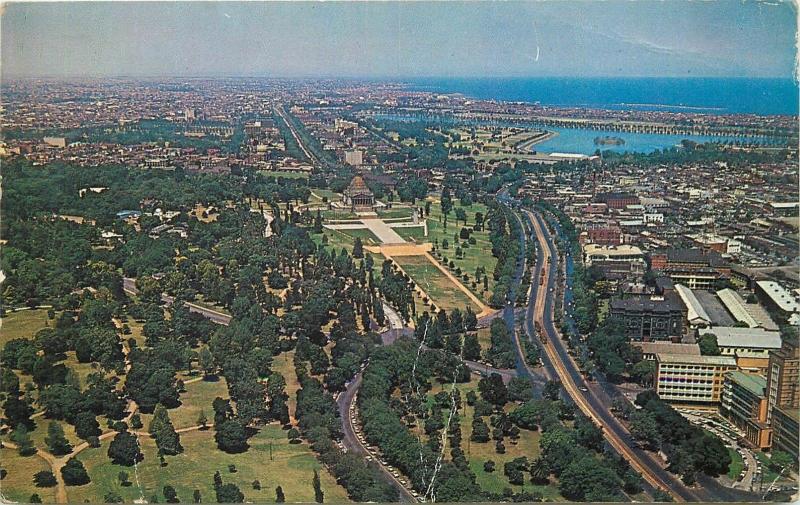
[688, 379]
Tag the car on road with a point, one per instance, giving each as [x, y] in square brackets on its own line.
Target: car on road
[584, 389]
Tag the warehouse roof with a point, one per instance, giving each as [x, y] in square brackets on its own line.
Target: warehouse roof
[695, 312]
[754, 338]
[782, 297]
[736, 306]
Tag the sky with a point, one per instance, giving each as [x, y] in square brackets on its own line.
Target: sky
[675, 38]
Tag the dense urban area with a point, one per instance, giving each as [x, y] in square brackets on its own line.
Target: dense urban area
[230, 290]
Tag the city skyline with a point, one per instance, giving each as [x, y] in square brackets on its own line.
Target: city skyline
[400, 40]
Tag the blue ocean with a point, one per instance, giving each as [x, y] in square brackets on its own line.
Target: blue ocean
[701, 95]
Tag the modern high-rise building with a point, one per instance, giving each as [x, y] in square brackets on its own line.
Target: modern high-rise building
[783, 396]
[783, 376]
[744, 403]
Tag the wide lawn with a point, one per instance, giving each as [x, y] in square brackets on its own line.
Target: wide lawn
[22, 324]
[474, 255]
[396, 212]
[442, 291]
[413, 234]
[317, 195]
[17, 485]
[485, 338]
[198, 396]
[270, 459]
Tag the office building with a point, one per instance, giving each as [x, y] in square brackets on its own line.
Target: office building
[691, 379]
[744, 403]
[785, 430]
[783, 377]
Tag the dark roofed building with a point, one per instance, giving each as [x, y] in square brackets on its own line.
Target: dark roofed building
[694, 268]
[686, 258]
[650, 317]
[617, 200]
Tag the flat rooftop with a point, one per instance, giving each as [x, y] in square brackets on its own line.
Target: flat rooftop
[752, 338]
[687, 359]
[756, 384]
[782, 297]
[668, 348]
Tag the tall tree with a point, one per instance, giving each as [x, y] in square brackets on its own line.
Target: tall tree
[161, 429]
[56, 442]
[124, 449]
[319, 495]
[358, 248]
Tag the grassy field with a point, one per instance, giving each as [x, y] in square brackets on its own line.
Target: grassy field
[22, 324]
[737, 464]
[198, 396]
[366, 236]
[477, 255]
[396, 212]
[290, 466]
[318, 194]
[442, 291]
[18, 483]
[415, 234]
[485, 338]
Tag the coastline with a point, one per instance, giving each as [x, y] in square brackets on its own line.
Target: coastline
[705, 95]
[529, 144]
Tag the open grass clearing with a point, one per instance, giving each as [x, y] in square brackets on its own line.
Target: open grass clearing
[396, 212]
[17, 485]
[22, 324]
[442, 291]
[412, 234]
[270, 460]
[284, 365]
[198, 396]
[474, 255]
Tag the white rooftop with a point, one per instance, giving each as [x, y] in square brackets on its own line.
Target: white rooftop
[736, 306]
[782, 297]
[695, 312]
[756, 338]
